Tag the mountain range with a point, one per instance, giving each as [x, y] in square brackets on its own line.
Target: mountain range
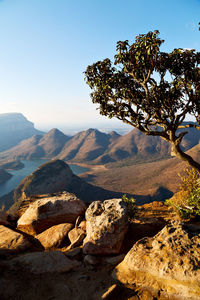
[93, 146]
[14, 128]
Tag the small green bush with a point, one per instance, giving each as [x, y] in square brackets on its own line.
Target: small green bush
[131, 203]
[187, 200]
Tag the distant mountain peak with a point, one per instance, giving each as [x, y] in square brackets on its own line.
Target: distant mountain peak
[55, 131]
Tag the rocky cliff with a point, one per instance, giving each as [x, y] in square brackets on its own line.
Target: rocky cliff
[14, 128]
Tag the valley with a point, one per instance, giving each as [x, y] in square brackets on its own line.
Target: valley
[132, 163]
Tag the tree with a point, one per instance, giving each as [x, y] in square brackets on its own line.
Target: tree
[149, 89]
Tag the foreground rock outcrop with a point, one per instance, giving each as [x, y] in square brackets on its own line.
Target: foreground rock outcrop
[44, 262]
[106, 225]
[167, 264]
[56, 262]
[54, 236]
[12, 241]
[50, 211]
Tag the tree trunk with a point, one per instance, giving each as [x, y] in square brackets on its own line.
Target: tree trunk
[185, 157]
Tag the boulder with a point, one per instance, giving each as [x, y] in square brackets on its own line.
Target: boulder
[43, 262]
[11, 241]
[78, 241]
[74, 234]
[54, 236]
[106, 225]
[168, 264]
[50, 211]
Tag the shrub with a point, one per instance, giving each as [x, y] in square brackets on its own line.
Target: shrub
[131, 204]
[187, 200]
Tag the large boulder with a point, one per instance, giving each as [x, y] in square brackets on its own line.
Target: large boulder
[50, 211]
[44, 262]
[54, 236]
[167, 264]
[106, 225]
[12, 241]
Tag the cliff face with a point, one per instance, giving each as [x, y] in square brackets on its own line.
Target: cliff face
[14, 127]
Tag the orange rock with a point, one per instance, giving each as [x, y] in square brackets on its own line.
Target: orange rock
[54, 236]
[11, 241]
[47, 212]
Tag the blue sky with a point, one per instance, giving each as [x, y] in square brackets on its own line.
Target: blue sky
[47, 44]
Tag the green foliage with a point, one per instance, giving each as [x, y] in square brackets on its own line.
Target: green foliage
[187, 200]
[131, 204]
[138, 90]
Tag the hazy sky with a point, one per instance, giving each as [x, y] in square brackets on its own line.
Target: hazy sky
[46, 45]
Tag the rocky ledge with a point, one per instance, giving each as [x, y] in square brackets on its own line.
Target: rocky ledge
[61, 249]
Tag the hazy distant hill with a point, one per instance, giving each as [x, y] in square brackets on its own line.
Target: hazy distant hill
[93, 146]
[38, 146]
[135, 144]
[87, 145]
[14, 128]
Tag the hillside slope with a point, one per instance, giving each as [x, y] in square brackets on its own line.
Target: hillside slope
[87, 145]
[38, 146]
[153, 179]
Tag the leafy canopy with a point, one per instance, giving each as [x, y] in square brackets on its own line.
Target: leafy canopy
[149, 89]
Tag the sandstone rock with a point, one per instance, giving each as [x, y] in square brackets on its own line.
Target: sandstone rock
[74, 234]
[44, 262]
[11, 241]
[148, 220]
[82, 225]
[78, 241]
[3, 218]
[168, 263]
[54, 236]
[105, 227]
[47, 212]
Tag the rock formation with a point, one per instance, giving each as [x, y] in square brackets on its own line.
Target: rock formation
[167, 264]
[44, 262]
[12, 241]
[163, 262]
[46, 212]
[54, 236]
[106, 225]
